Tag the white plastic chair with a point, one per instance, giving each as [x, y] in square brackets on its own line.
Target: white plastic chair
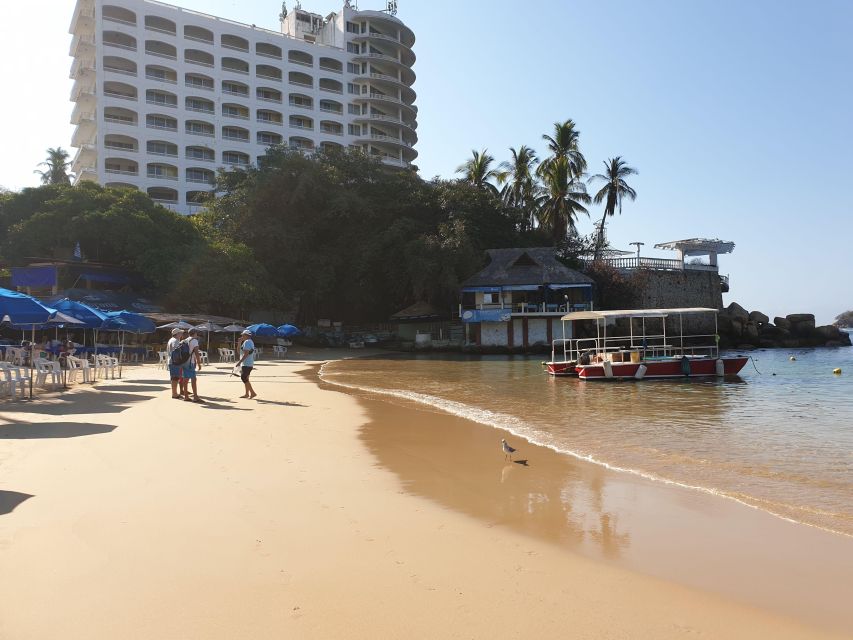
[6, 381]
[22, 379]
[204, 359]
[163, 361]
[79, 364]
[45, 368]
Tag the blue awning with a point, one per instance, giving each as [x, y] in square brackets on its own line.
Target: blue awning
[481, 290]
[98, 276]
[568, 286]
[522, 287]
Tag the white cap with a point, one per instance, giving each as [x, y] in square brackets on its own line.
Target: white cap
[176, 331]
[246, 332]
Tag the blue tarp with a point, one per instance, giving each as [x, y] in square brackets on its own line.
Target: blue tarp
[37, 277]
[481, 290]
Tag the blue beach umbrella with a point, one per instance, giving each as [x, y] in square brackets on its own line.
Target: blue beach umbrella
[263, 330]
[23, 309]
[288, 331]
[90, 317]
[127, 321]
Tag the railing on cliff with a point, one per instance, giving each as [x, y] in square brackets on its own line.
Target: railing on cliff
[662, 264]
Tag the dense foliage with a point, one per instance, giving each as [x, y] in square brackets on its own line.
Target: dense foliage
[125, 227]
[345, 237]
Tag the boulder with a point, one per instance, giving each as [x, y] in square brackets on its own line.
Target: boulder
[791, 343]
[737, 312]
[760, 318]
[782, 323]
[766, 343]
[804, 328]
[737, 327]
[829, 332]
[799, 317]
[751, 330]
[768, 330]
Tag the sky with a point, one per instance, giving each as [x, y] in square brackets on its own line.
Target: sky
[737, 115]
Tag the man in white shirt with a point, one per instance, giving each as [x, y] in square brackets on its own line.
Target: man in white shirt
[175, 371]
[191, 365]
[247, 362]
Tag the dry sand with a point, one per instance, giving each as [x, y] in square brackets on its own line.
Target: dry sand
[125, 514]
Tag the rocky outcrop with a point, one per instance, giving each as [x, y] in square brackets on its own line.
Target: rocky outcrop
[743, 329]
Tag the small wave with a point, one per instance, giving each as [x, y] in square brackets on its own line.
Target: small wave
[521, 429]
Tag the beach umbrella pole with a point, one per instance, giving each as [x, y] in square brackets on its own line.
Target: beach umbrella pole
[32, 360]
[121, 355]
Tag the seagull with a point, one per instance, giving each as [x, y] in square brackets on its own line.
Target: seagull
[508, 450]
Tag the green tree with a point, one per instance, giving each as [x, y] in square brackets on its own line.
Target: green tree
[57, 167]
[477, 171]
[614, 190]
[565, 143]
[520, 188]
[561, 200]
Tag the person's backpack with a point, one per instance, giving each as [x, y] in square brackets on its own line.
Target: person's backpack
[180, 354]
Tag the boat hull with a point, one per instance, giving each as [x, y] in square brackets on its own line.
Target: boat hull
[699, 367]
[561, 368]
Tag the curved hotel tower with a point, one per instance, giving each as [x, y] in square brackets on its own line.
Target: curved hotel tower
[164, 96]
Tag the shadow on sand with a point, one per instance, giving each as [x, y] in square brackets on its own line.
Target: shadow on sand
[35, 430]
[74, 403]
[281, 404]
[11, 499]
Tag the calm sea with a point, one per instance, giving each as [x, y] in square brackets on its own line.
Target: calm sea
[779, 437]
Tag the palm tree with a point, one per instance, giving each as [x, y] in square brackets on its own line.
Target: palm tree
[561, 199]
[57, 165]
[565, 144]
[520, 190]
[477, 171]
[612, 193]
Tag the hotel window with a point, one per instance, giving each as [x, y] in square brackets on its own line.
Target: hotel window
[352, 27]
[354, 130]
[353, 48]
[354, 110]
[352, 88]
[352, 67]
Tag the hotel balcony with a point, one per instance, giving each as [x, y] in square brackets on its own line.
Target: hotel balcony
[87, 174]
[83, 20]
[83, 135]
[82, 46]
[83, 89]
[81, 67]
[386, 120]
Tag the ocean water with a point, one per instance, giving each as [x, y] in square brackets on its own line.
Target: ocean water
[778, 437]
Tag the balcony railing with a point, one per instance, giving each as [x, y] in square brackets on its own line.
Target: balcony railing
[231, 92]
[153, 76]
[121, 172]
[229, 136]
[120, 120]
[331, 90]
[119, 45]
[270, 121]
[118, 146]
[660, 264]
[200, 158]
[235, 115]
[198, 85]
[120, 96]
[268, 77]
[331, 69]
[162, 127]
[161, 103]
[200, 180]
[276, 100]
[158, 54]
[337, 112]
[201, 132]
[209, 111]
[293, 125]
[162, 176]
[165, 154]
[124, 72]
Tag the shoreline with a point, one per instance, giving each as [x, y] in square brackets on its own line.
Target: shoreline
[154, 518]
[779, 564]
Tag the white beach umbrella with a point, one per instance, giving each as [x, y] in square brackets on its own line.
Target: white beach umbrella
[180, 324]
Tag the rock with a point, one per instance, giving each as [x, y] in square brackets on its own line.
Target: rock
[782, 323]
[752, 330]
[805, 328]
[745, 347]
[799, 317]
[769, 330]
[829, 332]
[791, 343]
[737, 312]
[737, 327]
[760, 318]
[844, 339]
[766, 343]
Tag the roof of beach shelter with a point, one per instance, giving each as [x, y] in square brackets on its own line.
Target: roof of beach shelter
[417, 311]
[530, 266]
[698, 245]
[193, 318]
[635, 313]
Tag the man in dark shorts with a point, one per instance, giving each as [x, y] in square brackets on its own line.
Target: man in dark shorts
[247, 362]
[176, 372]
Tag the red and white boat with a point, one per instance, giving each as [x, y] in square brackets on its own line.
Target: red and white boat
[642, 355]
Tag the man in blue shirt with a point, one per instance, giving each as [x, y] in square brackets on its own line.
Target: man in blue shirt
[247, 360]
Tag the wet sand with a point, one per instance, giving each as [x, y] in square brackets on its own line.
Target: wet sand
[312, 514]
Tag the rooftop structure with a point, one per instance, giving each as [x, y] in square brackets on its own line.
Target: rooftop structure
[164, 96]
[698, 247]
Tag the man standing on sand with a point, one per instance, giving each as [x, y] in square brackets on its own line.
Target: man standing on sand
[247, 360]
[175, 371]
[191, 365]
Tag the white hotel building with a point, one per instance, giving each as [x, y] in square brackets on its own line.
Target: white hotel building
[164, 96]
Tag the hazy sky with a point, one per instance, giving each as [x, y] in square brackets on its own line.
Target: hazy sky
[738, 115]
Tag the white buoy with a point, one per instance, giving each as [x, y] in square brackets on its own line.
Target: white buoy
[720, 367]
[641, 372]
[837, 371]
[608, 369]
[792, 359]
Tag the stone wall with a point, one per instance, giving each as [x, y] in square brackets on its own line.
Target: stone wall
[673, 289]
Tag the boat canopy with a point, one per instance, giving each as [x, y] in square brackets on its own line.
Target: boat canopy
[634, 313]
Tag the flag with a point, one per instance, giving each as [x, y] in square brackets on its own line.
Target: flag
[78, 254]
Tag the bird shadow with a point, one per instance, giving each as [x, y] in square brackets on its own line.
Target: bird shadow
[11, 499]
[523, 463]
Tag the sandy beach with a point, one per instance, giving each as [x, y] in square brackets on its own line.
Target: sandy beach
[311, 513]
